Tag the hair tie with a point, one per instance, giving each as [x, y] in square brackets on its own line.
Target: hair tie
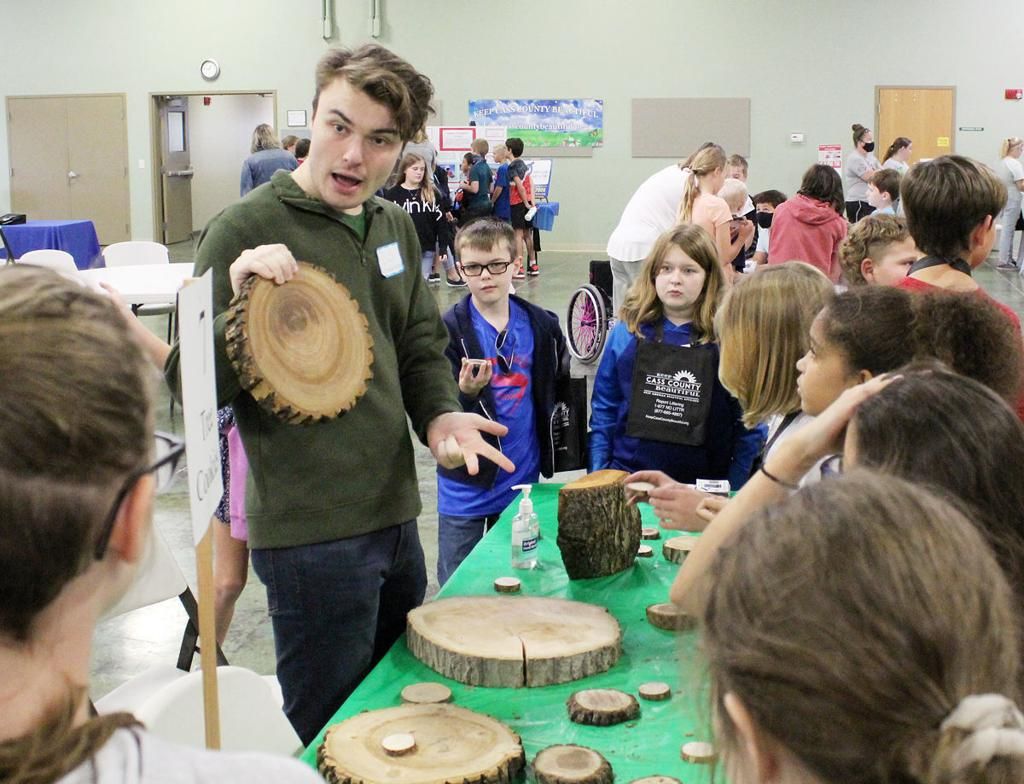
[995, 728]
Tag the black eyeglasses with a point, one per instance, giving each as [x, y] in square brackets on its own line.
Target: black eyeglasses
[493, 267]
[167, 453]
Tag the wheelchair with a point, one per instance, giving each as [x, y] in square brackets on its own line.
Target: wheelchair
[589, 308]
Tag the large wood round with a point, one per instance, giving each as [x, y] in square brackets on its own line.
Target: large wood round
[570, 764]
[451, 744]
[303, 350]
[513, 641]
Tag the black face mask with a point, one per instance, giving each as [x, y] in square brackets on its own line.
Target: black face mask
[869, 147]
[764, 219]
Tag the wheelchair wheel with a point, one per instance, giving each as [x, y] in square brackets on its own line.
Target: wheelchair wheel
[587, 322]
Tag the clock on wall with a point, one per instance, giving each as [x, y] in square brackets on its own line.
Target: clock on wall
[209, 69]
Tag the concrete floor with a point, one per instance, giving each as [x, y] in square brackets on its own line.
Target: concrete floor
[131, 643]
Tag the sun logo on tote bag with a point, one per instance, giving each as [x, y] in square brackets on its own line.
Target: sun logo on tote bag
[685, 375]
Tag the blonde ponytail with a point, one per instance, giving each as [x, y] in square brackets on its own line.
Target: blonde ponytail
[702, 163]
[1008, 144]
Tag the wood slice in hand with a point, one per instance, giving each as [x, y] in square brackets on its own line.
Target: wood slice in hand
[426, 693]
[678, 547]
[571, 764]
[598, 531]
[513, 641]
[602, 707]
[451, 744]
[656, 691]
[669, 617]
[302, 349]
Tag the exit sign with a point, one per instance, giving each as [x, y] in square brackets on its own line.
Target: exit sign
[1013, 95]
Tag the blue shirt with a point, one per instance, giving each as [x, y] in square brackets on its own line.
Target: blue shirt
[502, 207]
[513, 398]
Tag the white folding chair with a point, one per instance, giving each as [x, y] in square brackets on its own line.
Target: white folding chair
[59, 260]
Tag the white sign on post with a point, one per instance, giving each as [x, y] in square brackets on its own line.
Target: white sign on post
[199, 401]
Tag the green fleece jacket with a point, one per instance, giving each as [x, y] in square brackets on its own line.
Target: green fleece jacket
[354, 474]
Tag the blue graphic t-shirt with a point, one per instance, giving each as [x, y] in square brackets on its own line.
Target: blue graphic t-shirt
[511, 356]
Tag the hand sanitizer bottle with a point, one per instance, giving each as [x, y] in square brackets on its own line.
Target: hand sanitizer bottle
[525, 532]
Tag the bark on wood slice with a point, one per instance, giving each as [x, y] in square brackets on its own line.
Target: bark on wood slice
[513, 641]
[452, 744]
[570, 764]
[507, 585]
[426, 693]
[650, 533]
[303, 350]
[598, 532]
[668, 616]
[602, 707]
[698, 751]
[678, 547]
[656, 691]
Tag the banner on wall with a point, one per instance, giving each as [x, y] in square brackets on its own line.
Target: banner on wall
[573, 122]
[831, 155]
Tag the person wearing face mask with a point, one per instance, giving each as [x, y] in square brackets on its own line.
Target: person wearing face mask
[765, 203]
[861, 164]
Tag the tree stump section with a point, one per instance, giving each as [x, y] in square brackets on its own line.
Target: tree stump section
[598, 532]
[571, 765]
[602, 707]
[450, 744]
[303, 350]
[426, 693]
[656, 691]
[669, 617]
[678, 547]
[513, 641]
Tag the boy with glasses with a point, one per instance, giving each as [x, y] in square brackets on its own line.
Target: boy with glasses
[507, 356]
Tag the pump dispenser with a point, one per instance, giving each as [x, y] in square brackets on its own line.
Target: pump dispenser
[525, 532]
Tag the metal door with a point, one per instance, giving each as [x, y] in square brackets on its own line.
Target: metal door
[922, 114]
[98, 165]
[37, 137]
[175, 169]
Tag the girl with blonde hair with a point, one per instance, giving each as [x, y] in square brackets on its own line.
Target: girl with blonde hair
[657, 400]
[1011, 172]
[701, 206]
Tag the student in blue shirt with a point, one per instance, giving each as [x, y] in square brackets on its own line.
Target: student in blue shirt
[507, 356]
[501, 193]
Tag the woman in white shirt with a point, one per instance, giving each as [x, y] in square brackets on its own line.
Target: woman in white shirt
[1011, 172]
[898, 155]
[861, 164]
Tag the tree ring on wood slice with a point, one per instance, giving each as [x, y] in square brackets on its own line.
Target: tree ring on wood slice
[398, 744]
[678, 547]
[602, 707]
[650, 533]
[452, 744]
[645, 551]
[668, 616]
[656, 780]
[426, 693]
[512, 640]
[698, 751]
[570, 764]
[655, 691]
[303, 349]
[507, 585]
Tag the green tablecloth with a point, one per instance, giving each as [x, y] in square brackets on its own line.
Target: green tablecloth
[647, 746]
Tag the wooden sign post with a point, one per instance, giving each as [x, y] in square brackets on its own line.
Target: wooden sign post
[206, 484]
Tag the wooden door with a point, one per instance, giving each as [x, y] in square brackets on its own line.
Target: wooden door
[175, 170]
[37, 131]
[925, 115]
[98, 159]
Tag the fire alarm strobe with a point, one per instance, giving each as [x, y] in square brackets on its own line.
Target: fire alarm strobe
[1013, 95]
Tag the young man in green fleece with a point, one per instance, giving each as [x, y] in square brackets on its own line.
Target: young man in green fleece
[332, 506]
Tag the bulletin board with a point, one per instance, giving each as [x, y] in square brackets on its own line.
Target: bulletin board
[675, 127]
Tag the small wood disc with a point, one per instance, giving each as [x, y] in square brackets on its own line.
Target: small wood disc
[602, 707]
[645, 551]
[303, 349]
[507, 585]
[640, 487]
[655, 691]
[398, 744]
[571, 764]
[669, 617]
[426, 693]
[678, 547]
[650, 533]
[656, 780]
[698, 751]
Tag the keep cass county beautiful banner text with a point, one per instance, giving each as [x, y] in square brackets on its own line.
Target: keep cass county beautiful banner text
[544, 122]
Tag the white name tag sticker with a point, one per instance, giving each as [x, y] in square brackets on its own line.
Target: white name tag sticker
[389, 258]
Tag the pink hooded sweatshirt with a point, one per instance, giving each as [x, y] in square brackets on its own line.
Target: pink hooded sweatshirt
[805, 229]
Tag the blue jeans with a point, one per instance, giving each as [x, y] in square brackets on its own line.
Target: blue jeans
[336, 608]
[456, 538]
